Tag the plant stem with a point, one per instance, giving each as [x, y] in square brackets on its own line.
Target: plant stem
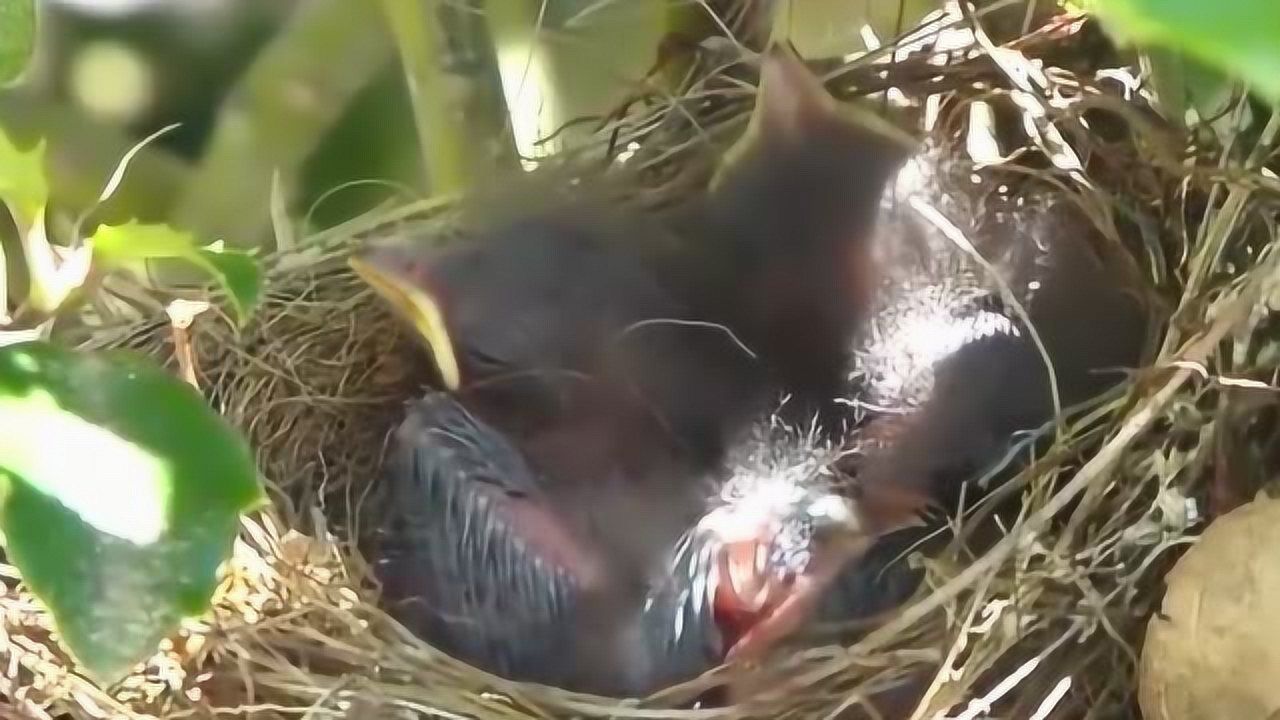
[442, 129]
[292, 94]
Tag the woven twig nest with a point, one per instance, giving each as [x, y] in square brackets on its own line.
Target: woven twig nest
[1047, 616]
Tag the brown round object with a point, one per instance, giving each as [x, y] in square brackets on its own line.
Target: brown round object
[1214, 652]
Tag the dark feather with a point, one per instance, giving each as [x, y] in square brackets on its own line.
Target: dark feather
[451, 561]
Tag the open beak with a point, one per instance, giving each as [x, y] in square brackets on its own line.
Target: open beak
[779, 606]
[419, 308]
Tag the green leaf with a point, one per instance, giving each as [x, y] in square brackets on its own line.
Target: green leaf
[17, 37]
[1191, 92]
[53, 274]
[236, 271]
[136, 241]
[124, 494]
[1239, 36]
[23, 185]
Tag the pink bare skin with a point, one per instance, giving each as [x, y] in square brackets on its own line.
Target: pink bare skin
[556, 543]
[758, 608]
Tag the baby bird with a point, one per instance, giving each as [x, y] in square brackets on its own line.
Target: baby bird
[784, 235]
[528, 509]
[780, 531]
[948, 368]
[774, 261]
[950, 382]
[485, 558]
[607, 456]
[532, 580]
[557, 317]
[633, 546]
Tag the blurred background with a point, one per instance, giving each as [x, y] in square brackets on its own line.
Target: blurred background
[331, 107]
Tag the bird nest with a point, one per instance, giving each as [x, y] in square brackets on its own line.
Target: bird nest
[1049, 616]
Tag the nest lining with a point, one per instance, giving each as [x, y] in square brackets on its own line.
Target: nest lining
[319, 380]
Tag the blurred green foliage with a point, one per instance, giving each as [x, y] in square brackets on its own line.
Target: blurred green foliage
[317, 93]
[1241, 37]
[23, 187]
[17, 37]
[239, 74]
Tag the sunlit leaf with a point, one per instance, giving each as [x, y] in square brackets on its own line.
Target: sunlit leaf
[1240, 36]
[54, 273]
[137, 241]
[123, 496]
[237, 272]
[17, 37]
[23, 184]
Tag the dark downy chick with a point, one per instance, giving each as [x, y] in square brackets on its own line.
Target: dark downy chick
[795, 211]
[481, 556]
[785, 249]
[947, 368]
[618, 378]
[555, 317]
[785, 234]
[581, 402]
[948, 378]
[607, 407]
[952, 384]
[781, 527]
[765, 278]
[502, 594]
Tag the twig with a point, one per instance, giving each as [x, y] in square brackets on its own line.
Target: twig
[447, 153]
[182, 313]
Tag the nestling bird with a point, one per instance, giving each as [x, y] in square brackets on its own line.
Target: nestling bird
[495, 564]
[609, 456]
[483, 557]
[556, 317]
[604, 522]
[947, 377]
[775, 258]
[782, 527]
[784, 235]
[948, 367]
[527, 511]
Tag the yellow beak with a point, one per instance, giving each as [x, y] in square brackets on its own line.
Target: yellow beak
[421, 310]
